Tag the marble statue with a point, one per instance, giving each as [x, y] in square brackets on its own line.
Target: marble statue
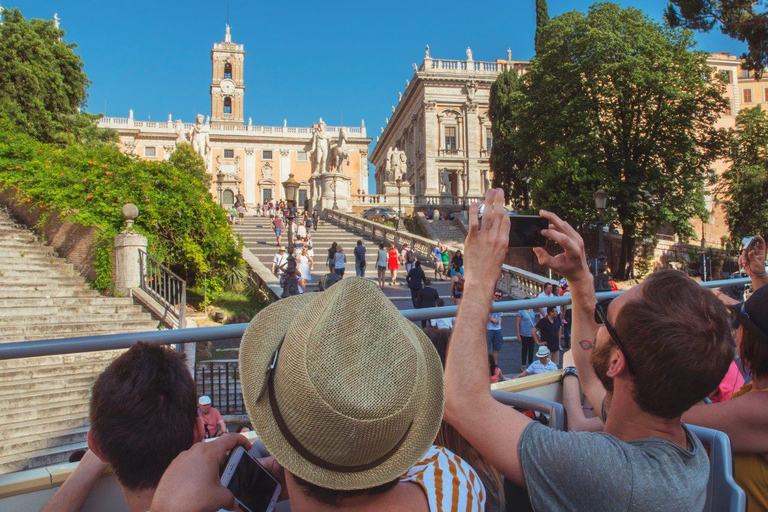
[199, 135]
[392, 107]
[445, 182]
[471, 90]
[396, 164]
[130, 113]
[340, 153]
[426, 52]
[415, 67]
[181, 135]
[266, 172]
[319, 148]
[388, 165]
[469, 53]
[227, 34]
[509, 53]
[400, 95]
[407, 83]
[250, 121]
[56, 20]
[170, 119]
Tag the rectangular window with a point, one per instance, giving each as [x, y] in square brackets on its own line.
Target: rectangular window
[266, 194]
[150, 151]
[744, 73]
[765, 94]
[229, 153]
[301, 156]
[747, 95]
[302, 199]
[726, 76]
[266, 154]
[488, 139]
[450, 138]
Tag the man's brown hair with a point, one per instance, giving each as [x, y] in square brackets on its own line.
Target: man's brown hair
[678, 339]
[143, 413]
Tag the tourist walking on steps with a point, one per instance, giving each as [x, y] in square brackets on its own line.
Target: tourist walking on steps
[437, 260]
[408, 257]
[457, 259]
[525, 321]
[381, 265]
[360, 259]
[305, 265]
[279, 262]
[457, 287]
[415, 279]
[426, 298]
[301, 228]
[446, 255]
[341, 262]
[332, 256]
[307, 222]
[277, 226]
[315, 218]
[393, 263]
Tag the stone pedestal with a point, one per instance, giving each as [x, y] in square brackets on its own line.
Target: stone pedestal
[127, 270]
[332, 188]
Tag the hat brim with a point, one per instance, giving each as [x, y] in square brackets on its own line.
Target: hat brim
[261, 339]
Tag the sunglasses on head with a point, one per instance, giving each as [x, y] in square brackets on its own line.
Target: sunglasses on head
[601, 317]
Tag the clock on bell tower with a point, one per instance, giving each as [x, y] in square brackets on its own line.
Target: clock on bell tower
[227, 85]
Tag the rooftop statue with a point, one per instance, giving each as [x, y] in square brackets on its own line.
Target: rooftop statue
[319, 148]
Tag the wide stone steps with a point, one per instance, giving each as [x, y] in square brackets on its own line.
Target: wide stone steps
[44, 411]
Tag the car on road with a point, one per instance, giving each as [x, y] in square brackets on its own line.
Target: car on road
[380, 214]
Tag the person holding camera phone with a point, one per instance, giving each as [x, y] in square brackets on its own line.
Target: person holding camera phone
[646, 459]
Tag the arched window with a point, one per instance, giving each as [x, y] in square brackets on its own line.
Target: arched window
[227, 105]
[227, 70]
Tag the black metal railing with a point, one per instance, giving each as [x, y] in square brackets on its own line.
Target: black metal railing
[220, 380]
[165, 287]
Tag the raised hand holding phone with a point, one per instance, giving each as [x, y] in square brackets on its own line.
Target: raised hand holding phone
[254, 488]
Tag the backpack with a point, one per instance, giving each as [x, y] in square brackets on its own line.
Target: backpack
[460, 284]
[409, 256]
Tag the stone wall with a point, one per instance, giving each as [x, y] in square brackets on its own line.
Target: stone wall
[73, 242]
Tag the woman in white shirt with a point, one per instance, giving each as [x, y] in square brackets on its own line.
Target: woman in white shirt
[340, 262]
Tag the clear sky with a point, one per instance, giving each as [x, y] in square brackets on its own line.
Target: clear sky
[342, 60]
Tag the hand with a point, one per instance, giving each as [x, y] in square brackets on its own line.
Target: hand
[277, 471]
[572, 262]
[486, 248]
[192, 480]
[754, 261]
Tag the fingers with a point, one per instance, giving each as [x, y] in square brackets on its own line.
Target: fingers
[473, 221]
[223, 498]
[558, 223]
[226, 443]
[542, 255]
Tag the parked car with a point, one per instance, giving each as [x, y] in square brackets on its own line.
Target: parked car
[379, 214]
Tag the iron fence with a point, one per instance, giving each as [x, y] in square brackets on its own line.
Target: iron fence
[220, 380]
[168, 289]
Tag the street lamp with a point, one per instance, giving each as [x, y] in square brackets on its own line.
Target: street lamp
[335, 206]
[289, 281]
[601, 278]
[399, 183]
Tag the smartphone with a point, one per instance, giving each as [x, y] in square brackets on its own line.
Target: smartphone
[524, 230]
[254, 488]
[748, 243]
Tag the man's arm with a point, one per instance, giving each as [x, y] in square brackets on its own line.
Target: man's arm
[75, 490]
[744, 419]
[577, 421]
[469, 405]
[572, 264]
[518, 321]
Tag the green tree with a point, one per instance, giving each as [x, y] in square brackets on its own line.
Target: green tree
[187, 160]
[745, 184]
[542, 17]
[508, 157]
[42, 83]
[746, 21]
[617, 101]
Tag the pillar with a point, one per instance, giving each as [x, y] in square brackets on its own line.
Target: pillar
[127, 270]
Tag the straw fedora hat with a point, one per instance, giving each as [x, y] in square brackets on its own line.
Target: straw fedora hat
[343, 391]
[542, 352]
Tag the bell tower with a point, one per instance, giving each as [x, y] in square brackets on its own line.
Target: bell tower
[227, 85]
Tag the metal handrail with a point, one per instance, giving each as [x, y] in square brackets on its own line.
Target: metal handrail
[20, 349]
[168, 289]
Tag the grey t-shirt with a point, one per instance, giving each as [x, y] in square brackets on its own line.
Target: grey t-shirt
[597, 471]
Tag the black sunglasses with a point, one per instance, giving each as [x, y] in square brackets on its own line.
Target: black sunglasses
[601, 317]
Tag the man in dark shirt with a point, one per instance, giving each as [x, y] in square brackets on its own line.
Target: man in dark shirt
[426, 298]
[547, 331]
[360, 259]
[415, 279]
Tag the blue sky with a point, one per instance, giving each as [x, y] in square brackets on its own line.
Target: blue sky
[342, 60]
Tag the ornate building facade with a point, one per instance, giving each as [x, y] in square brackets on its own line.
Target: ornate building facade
[247, 159]
[441, 124]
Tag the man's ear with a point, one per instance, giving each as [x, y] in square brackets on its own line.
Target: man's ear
[95, 448]
[616, 364]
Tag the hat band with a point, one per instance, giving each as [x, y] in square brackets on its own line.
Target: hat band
[296, 444]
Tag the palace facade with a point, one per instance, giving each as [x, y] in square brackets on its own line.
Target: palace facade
[441, 123]
[241, 157]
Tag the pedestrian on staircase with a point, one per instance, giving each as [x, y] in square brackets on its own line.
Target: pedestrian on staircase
[415, 279]
[279, 262]
[307, 222]
[277, 226]
[393, 263]
[426, 298]
[437, 257]
[315, 218]
[360, 259]
[381, 265]
[341, 262]
[409, 257]
[446, 255]
[332, 256]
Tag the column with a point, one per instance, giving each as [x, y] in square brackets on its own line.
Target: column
[473, 138]
[250, 178]
[431, 143]
[364, 169]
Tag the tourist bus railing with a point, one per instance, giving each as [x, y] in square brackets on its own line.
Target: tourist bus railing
[20, 349]
[165, 287]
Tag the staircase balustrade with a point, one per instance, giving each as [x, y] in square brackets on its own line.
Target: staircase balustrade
[168, 289]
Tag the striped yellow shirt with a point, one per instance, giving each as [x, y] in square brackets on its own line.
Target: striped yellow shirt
[450, 483]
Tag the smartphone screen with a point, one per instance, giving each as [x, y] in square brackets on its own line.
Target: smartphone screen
[252, 485]
[525, 231]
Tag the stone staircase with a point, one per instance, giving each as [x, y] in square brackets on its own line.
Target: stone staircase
[260, 240]
[447, 232]
[44, 411]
